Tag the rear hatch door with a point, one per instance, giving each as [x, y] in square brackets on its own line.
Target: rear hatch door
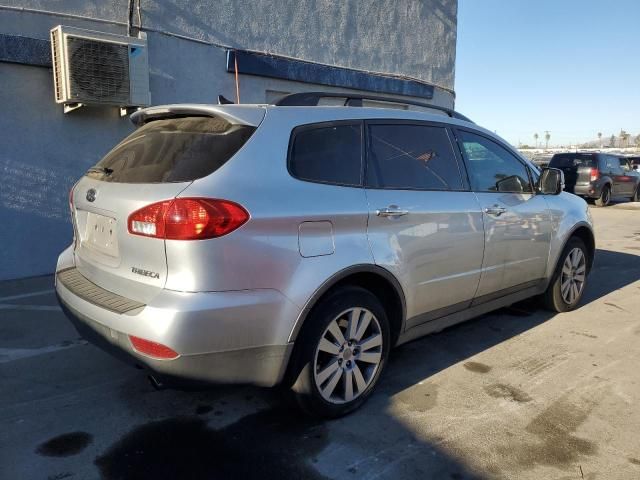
[154, 164]
[576, 167]
[133, 266]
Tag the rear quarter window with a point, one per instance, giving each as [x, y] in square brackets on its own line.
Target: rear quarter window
[327, 153]
[172, 150]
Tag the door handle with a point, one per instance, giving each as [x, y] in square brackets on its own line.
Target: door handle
[496, 210]
[391, 211]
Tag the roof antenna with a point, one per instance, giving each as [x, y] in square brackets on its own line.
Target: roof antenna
[235, 61]
[222, 100]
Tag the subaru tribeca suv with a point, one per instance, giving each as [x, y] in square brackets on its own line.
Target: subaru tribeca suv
[297, 244]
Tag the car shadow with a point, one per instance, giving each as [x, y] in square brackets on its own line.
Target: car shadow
[611, 271]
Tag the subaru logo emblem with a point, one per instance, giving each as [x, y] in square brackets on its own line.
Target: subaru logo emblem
[91, 194]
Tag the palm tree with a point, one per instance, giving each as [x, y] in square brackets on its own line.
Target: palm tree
[535, 137]
[624, 138]
[547, 137]
[612, 141]
[600, 139]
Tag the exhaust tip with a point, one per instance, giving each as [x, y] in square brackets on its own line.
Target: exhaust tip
[155, 382]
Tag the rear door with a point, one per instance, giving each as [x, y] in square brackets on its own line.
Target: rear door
[153, 165]
[425, 226]
[517, 222]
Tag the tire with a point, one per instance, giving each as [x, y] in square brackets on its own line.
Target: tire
[568, 272]
[605, 197]
[324, 362]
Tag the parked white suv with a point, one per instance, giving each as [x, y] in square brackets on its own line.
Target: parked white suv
[296, 243]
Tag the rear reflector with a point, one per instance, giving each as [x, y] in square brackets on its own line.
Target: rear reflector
[152, 349]
[187, 219]
[595, 174]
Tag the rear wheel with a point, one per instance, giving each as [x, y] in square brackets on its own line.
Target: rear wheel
[605, 197]
[569, 280]
[342, 353]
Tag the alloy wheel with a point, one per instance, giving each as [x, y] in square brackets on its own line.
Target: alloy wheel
[573, 276]
[348, 355]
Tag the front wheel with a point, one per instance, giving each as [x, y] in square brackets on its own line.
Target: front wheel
[342, 353]
[605, 197]
[569, 280]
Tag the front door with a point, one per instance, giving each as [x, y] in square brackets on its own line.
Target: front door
[517, 222]
[425, 226]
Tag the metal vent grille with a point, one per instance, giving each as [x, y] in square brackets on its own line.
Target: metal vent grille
[89, 291]
[98, 71]
[57, 66]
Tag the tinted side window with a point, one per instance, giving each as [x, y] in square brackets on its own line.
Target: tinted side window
[624, 165]
[492, 168]
[411, 157]
[613, 166]
[327, 154]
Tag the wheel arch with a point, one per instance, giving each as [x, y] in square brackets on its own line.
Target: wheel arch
[608, 182]
[584, 233]
[378, 280]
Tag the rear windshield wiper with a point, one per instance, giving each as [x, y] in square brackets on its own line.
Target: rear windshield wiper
[105, 170]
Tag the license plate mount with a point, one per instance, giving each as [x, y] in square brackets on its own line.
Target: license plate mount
[101, 234]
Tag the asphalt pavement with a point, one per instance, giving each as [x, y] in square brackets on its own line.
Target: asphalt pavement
[519, 394]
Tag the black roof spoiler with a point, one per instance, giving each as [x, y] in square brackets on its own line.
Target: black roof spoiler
[311, 99]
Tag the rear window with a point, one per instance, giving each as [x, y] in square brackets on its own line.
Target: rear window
[325, 153]
[172, 150]
[563, 161]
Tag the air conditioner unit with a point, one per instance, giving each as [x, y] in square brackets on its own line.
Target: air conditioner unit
[94, 68]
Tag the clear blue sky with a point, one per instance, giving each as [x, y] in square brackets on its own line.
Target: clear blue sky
[568, 66]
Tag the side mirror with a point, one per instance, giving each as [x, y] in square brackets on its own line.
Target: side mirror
[551, 181]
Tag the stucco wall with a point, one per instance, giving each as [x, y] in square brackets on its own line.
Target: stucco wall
[43, 151]
[407, 37]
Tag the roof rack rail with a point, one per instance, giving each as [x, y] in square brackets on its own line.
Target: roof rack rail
[311, 99]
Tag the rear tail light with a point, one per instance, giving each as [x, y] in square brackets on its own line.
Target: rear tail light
[152, 349]
[187, 219]
[594, 175]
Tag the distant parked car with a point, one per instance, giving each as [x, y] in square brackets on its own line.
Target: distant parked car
[598, 176]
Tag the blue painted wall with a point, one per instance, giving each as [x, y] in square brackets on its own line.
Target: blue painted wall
[43, 151]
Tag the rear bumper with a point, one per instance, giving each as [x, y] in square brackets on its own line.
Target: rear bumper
[223, 337]
[587, 191]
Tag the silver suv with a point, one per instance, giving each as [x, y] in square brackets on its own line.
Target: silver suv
[296, 244]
